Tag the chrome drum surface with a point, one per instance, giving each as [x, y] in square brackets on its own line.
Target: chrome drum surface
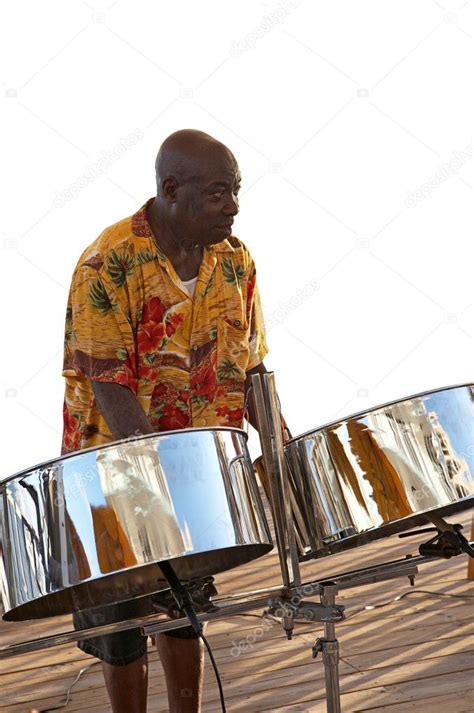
[91, 527]
[385, 470]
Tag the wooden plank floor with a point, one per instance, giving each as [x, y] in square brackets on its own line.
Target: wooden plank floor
[415, 654]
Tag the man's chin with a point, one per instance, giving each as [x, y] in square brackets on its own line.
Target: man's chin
[214, 240]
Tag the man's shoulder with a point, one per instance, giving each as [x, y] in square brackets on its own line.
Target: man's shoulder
[236, 243]
[116, 238]
[239, 251]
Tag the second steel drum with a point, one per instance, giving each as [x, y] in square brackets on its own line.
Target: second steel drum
[91, 527]
[383, 471]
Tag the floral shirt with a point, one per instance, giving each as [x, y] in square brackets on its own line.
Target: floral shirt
[131, 321]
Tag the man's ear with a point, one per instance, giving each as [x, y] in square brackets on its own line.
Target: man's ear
[169, 189]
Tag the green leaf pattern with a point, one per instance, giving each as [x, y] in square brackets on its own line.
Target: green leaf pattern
[98, 297]
[207, 288]
[119, 266]
[121, 354]
[227, 369]
[145, 256]
[233, 274]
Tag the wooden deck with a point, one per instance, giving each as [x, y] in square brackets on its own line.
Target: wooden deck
[415, 654]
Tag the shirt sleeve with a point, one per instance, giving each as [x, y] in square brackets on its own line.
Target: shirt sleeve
[257, 340]
[99, 343]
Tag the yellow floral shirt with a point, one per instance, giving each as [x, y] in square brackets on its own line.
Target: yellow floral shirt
[130, 320]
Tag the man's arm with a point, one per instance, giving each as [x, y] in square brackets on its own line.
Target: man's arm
[122, 413]
[125, 417]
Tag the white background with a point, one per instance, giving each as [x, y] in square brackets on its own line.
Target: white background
[351, 123]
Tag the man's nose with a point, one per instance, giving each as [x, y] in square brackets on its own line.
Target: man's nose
[231, 206]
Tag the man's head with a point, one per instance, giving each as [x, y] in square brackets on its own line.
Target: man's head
[197, 180]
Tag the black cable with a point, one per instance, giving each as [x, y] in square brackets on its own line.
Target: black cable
[86, 668]
[369, 607]
[216, 672]
[435, 594]
[68, 692]
[185, 604]
[195, 621]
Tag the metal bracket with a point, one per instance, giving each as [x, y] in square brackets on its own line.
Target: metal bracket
[199, 590]
[289, 612]
[447, 542]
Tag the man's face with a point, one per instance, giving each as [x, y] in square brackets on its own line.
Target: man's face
[206, 206]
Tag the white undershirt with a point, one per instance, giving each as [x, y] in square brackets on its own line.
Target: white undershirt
[189, 285]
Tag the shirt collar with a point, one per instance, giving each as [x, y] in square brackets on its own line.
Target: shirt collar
[141, 227]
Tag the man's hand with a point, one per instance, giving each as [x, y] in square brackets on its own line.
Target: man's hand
[122, 412]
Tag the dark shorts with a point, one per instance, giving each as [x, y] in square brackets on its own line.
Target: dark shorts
[125, 646]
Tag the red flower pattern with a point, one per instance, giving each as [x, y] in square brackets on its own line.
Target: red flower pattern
[150, 337]
[204, 381]
[131, 372]
[234, 415]
[71, 431]
[183, 395]
[173, 418]
[153, 311]
[173, 323]
[154, 326]
[149, 373]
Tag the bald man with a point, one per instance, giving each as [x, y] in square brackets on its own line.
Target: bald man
[163, 331]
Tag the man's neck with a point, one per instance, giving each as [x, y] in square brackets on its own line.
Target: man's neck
[185, 259]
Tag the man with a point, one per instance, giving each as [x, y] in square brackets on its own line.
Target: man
[163, 331]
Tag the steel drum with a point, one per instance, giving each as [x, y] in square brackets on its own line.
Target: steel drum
[91, 527]
[383, 471]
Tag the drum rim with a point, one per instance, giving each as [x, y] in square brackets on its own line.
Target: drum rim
[375, 408]
[114, 444]
[389, 529]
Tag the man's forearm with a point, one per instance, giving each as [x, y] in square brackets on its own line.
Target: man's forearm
[122, 413]
[125, 417]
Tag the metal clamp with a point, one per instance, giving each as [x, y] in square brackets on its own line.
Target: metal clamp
[329, 649]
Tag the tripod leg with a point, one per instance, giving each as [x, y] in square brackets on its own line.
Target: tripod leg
[329, 647]
[330, 652]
